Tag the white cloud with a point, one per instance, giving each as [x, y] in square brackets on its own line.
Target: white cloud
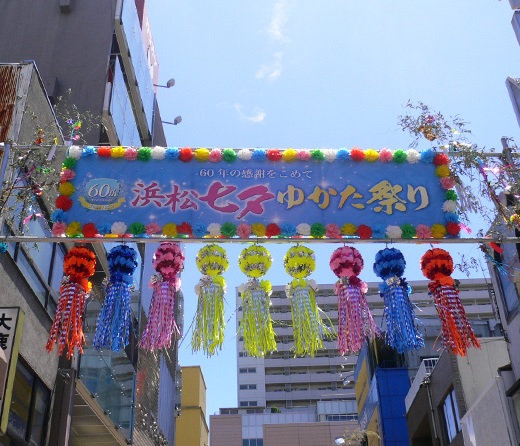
[257, 116]
[278, 20]
[273, 71]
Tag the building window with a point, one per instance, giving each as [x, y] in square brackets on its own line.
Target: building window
[253, 442]
[508, 291]
[450, 412]
[247, 370]
[247, 386]
[248, 403]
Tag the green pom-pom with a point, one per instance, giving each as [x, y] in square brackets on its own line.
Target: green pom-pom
[451, 195]
[408, 231]
[69, 163]
[400, 156]
[136, 229]
[317, 155]
[317, 230]
[229, 155]
[228, 230]
[144, 154]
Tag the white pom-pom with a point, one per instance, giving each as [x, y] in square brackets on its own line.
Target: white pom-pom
[312, 283]
[224, 288]
[119, 228]
[75, 152]
[330, 155]
[245, 154]
[413, 156]
[158, 153]
[449, 206]
[214, 230]
[394, 232]
[197, 289]
[288, 290]
[303, 229]
[242, 288]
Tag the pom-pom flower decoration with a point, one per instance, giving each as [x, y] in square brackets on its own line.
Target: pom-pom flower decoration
[161, 327]
[67, 329]
[256, 326]
[401, 330]
[208, 333]
[308, 326]
[457, 334]
[115, 317]
[355, 322]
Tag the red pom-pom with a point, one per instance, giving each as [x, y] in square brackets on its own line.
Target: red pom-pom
[103, 151]
[185, 228]
[272, 230]
[63, 202]
[186, 154]
[453, 228]
[89, 230]
[441, 159]
[357, 154]
[364, 231]
[274, 155]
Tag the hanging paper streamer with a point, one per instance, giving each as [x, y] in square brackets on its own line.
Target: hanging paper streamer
[168, 260]
[401, 331]
[355, 321]
[256, 326]
[115, 317]
[457, 334]
[67, 329]
[308, 327]
[208, 333]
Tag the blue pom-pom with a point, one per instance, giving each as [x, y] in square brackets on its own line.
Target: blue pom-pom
[89, 150]
[259, 154]
[450, 216]
[104, 228]
[288, 230]
[122, 260]
[59, 215]
[427, 156]
[378, 231]
[389, 263]
[172, 153]
[199, 230]
[343, 154]
[3, 247]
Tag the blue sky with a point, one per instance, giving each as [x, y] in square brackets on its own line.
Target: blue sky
[331, 74]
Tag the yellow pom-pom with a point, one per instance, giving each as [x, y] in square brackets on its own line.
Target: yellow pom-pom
[111, 235]
[170, 230]
[255, 261]
[258, 229]
[67, 189]
[289, 155]
[299, 262]
[201, 154]
[73, 229]
[371, 155]
[442, 171]
[117, 152]
[212, 260]
[348, 229]
[438, 230]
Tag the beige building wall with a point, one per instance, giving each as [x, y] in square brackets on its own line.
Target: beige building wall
[306, 434]
[226, 430]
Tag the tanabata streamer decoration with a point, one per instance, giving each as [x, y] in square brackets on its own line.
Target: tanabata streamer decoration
[67, 329]
[256, 326]
[308, 327]
[208, 333]
[355, 321]
[115, 317]
[457, 334]
[401, 331]
[168, 260]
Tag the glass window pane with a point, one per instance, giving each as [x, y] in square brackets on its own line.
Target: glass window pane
[57, 272]
[21, 400]
[41, 253]
[41, 402]
[245, 442]
[31, 277]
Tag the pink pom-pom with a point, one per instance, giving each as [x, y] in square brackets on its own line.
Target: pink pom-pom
[332, 230]
[152, 228]
[447, 183]
[215, 156]
[303, 155]
[346, 262]
[423, 231]
[386, 155]
[131, 154]
[168, 260]
[364, 287]
[243, 230]
[67, 174]
[59, 229]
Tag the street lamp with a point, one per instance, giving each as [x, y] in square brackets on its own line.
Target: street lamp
[169, 84]
[176, 121]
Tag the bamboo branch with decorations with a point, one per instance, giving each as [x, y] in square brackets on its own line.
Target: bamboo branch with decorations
[256, 326]
[355, 322]
[67, 329]
[168, 261]
[115, 317]
[401, 330]
[208, 333]
[457, 334]
[308, 326]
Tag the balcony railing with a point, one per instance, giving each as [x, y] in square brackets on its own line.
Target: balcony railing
[425, 369]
